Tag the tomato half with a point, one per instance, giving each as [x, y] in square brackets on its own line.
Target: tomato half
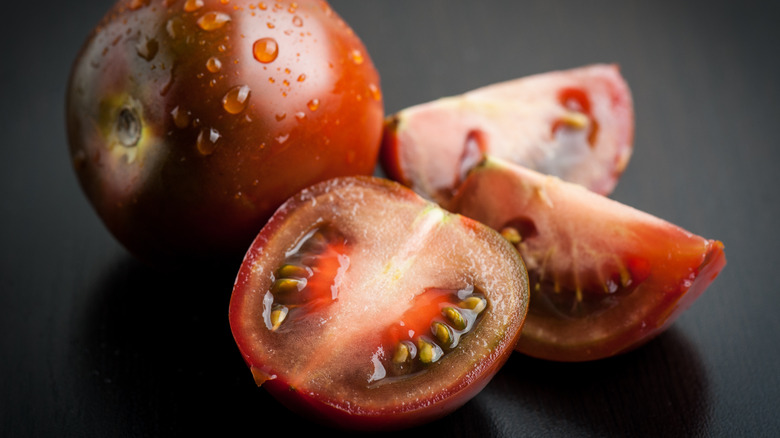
[365, 307]
[605, 277]
[190, 122]
[576, 124]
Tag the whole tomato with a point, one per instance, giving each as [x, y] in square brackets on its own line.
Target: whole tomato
[191, 121]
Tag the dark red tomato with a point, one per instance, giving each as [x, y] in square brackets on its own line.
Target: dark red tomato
[365, 307]
[576, 124]
[191, 121]
[604, 277]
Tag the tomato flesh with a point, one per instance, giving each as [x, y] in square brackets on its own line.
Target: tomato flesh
[604, 277]
[406, 311]
[576, 124]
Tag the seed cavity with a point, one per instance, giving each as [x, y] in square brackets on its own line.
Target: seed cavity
[456, 314]
[308, 278]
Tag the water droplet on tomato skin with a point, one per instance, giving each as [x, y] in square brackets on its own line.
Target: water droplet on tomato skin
[192, 5]
[313, 104]
[213, 64]
[207, 141]
[213, 20]
[181, 118]
[357, 56]
[297, 21]
[265, 50]
[375, 92]
[235, 101]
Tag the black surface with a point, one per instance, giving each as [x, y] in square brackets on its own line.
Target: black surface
[93, 343]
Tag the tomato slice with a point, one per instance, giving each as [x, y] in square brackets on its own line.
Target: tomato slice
[363, 306]
[605, 277]
[576, 124]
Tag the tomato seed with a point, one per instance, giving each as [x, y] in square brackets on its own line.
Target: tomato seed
[429, 351]
[443, 334]
[475, 303]
[454, 317]
[278, 315]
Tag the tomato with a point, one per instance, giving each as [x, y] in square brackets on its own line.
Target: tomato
[365, 307]
[605, 277]
[191, 121]
[576, 124]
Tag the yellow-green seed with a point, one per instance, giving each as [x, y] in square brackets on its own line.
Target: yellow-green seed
[477, 304]
[286, 285]
[278, 315]
[403, 352]
[442, 333]
[454, 317]
[292, 271]
[429, 352]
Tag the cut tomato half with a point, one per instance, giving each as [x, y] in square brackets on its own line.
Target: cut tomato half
[605, 277]
[576, 124]
[363, 306]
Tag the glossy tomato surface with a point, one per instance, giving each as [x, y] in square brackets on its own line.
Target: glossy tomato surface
[576, 124]
[365, 307]
[191, 121]
[605, 277]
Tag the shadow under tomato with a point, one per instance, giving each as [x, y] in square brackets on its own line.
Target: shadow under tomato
[162, 358]
[163, 362]
[659, 389]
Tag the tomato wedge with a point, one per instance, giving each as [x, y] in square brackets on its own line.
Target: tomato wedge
[365, 307]
[605, 277]
[576, 124]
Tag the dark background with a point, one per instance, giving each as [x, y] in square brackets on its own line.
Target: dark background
[93, 343]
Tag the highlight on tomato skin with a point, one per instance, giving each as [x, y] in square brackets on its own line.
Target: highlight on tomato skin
[577, 124]
[362, 306]
[605, 278]
[190, 122]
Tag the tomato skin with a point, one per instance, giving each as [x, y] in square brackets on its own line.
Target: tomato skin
[576, 124]
[412, 400]
[636, 273]
[219, 137]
